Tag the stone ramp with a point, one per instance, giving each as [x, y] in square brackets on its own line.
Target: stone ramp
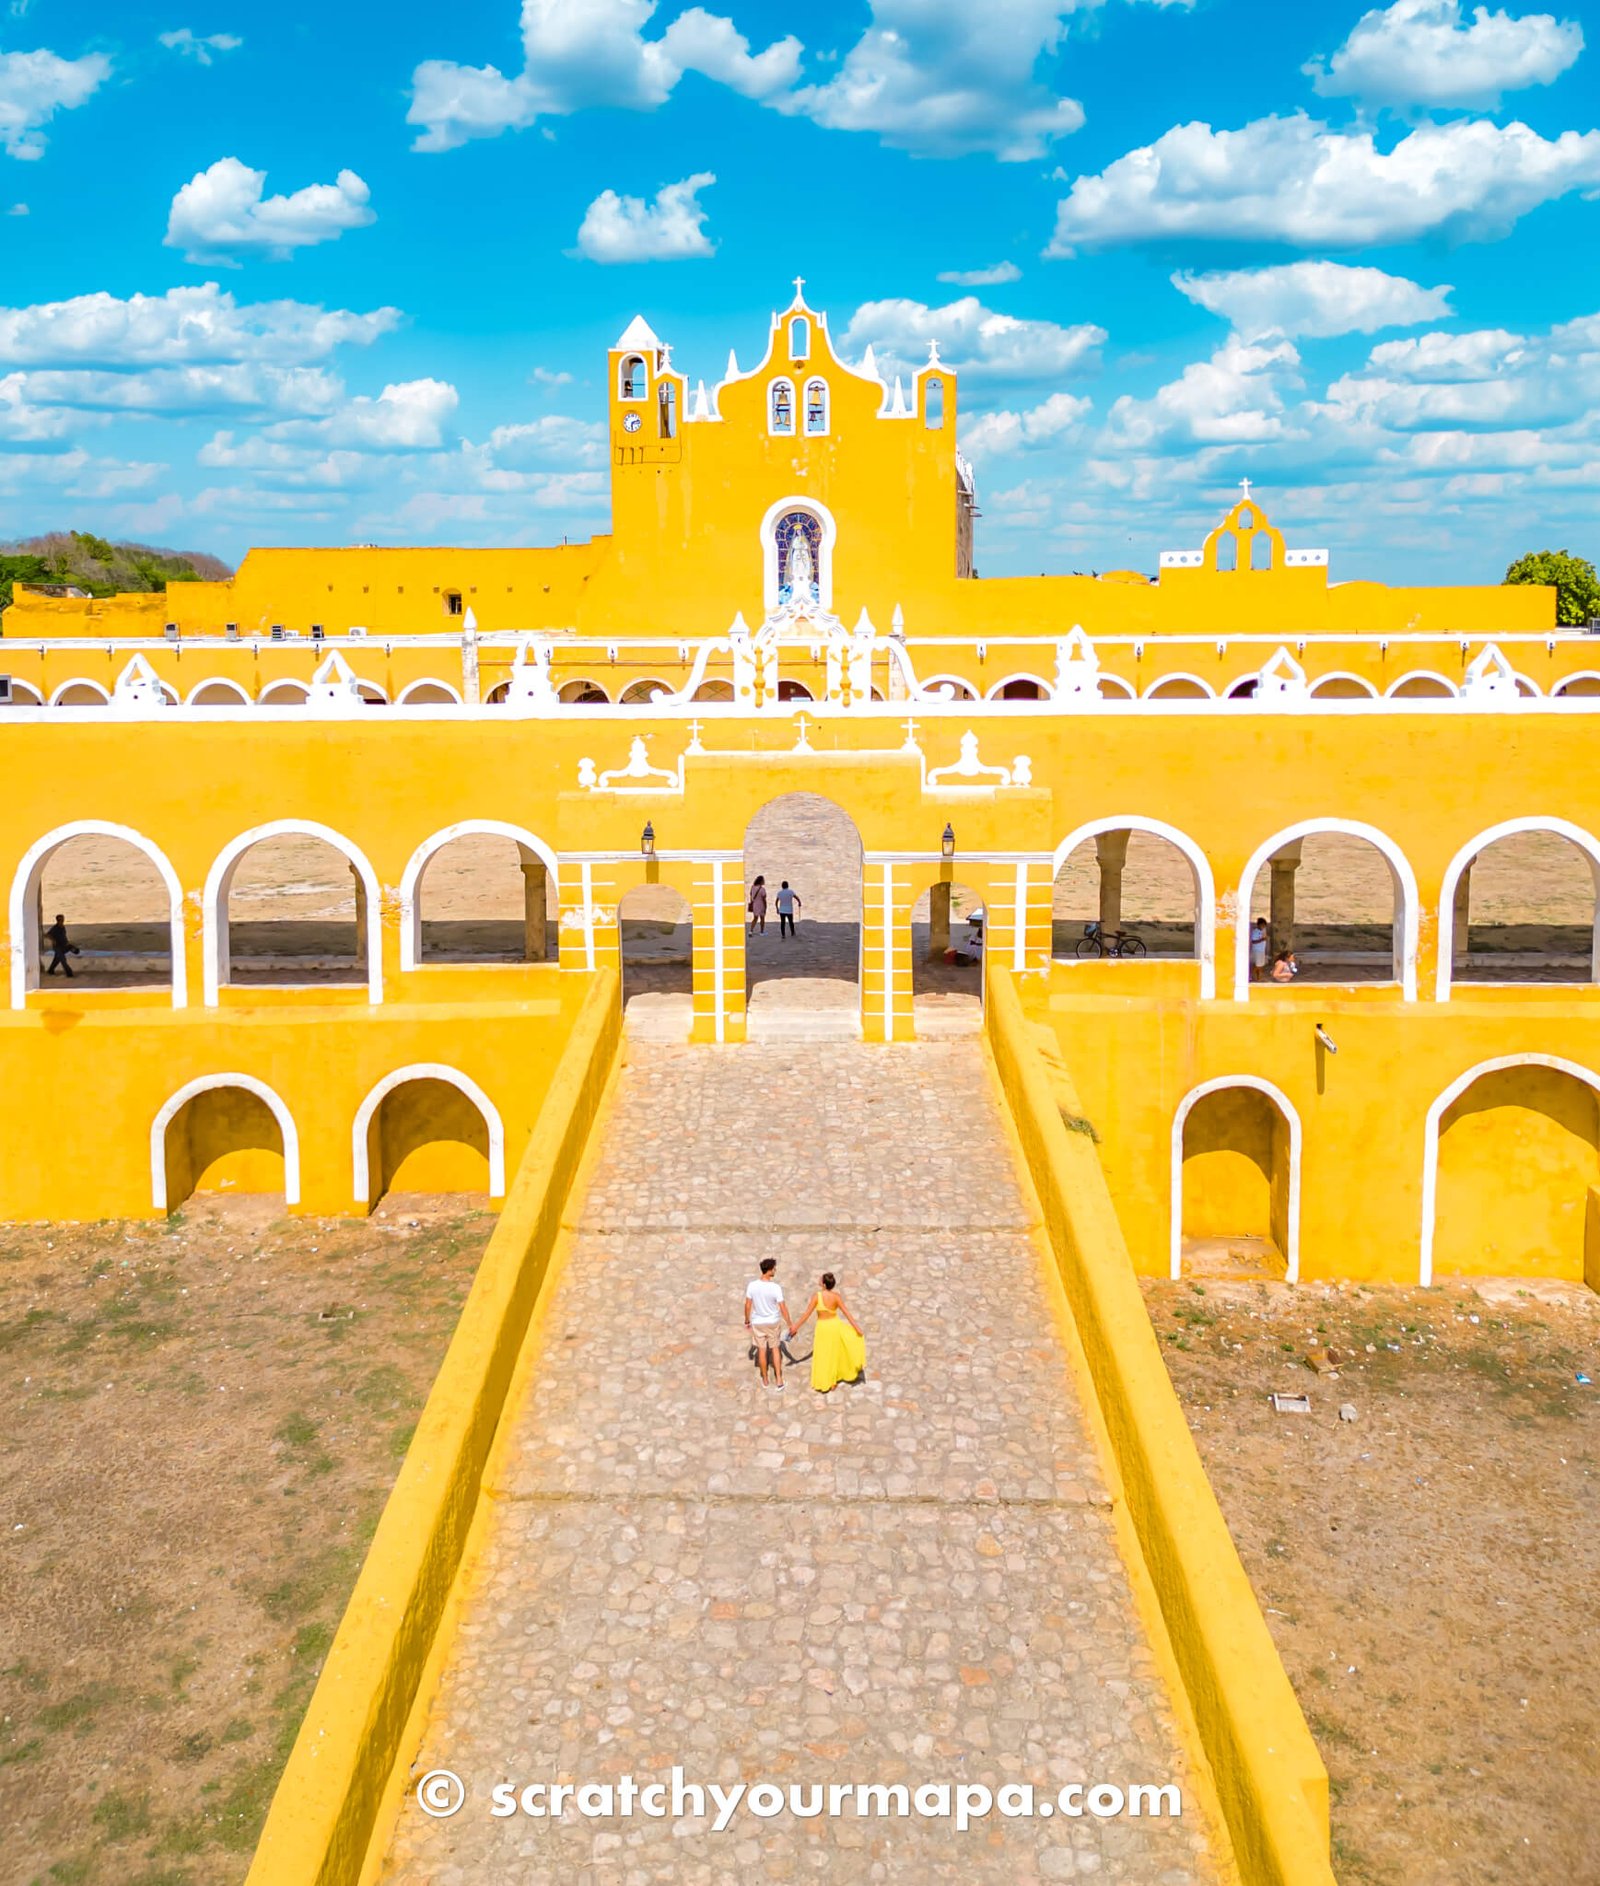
[911, 1581]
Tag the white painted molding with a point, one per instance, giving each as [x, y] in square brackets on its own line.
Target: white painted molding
[1586, 842]
[209, 1083]
[23, 913]
[81, 681]
[1406, 898]
[404, 697]
[237, 696]
[1447, 688]
[1430, 1131]
[1046, 690]
[295, 691]
[426, 1071]
[1166, 681]
[411, 881]
[1296, 1151]
[1205, 887]
[219, 880]
[1314, 688]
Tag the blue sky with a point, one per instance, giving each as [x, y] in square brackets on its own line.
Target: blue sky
[350, 275]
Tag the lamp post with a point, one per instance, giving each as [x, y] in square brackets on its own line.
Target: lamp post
[947, 844]
[647, 840]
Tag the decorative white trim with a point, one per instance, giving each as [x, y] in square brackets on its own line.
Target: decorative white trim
[426, 1071]
[209, 1083]
[24, 905]
[656, 779]
[1586, 842]
[793, 428]
[81, 681]
[1559, 691]
[1205, 887]
[417, 863]
[967, 692]
[219, 881]
[769, 549]
[18, 685]
[970, 772]
[578, 681]
[240, 696]
[1296, 1149]
[1430, 1134]
[587, 876]
[888, 951]
[1019, 919]
[719, 972]
[287, 689]
[1405, 884]
[1449, 689]
[646, 700]
[1046, 690]
[1163, 681]
[403, 698]
[1314, 687]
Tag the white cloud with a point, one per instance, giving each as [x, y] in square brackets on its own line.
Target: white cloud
[191, 45]
[1233, 398]
[408, 417]
[220, 214]
[1422, 53]
[1314, 300]
[553, 442]
[546, 376]
[627, 229]
[942, 78]
[1294, 180]
[17, 209]
[995, 277]
[185, 326]
[584, 53]
[1491, 380]
[34, 86]
[998, 434]
[176, 391]
[979, 343]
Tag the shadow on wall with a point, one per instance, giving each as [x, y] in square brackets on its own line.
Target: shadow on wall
[224, 1140]
[427, 1136]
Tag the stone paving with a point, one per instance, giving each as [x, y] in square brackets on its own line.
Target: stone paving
[911, 1581]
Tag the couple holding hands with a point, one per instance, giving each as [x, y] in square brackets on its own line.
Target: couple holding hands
[839, 1353]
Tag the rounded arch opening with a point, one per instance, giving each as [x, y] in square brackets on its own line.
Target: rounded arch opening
[1574, 687]
[1020, 688]
[656, 939]
[642, 693]
[952, 686]
[80, 694]
[1521, 903]
[480, 891]
[581, 692]
[223, 1133]
[283, 694]
[292, 903]
[1512, 1158]
[1179, 688]
[1236, 1153]
[1342, 687]
[789, 690]
[1327, 901]
[427, 1128]
[713, 692]
[949, 921]
[811, 966]
[1132, 890]
[428, 693]
[1421, 685]
[22, 694]
[119, 905]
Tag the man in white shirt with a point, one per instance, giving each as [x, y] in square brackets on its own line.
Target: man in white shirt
[765, 1314]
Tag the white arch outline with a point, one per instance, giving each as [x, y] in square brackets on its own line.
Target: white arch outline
[18, 682]
[241, 697]
[1205, 885]
[403, 698]
[1586, 842]
[285, 685]
[1368, 691]
[1162, 681]
[362, 682]
[1558, 692]
[1121, 690]
[1296, 1152]
[417, 863]
[1392, 692]
[645, 681]
[959, 681]
[426, 1071]
[1047, 692]
[209, 1083]
[23, 914]
[1430, 1134]
[219, 881]
[1405, 884]
[574, 681]
[80, 681]
[777, 380]
[799, 501]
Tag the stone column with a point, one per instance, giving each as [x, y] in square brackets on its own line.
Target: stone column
[938, 921]
[1461, 918]
[535, 880]
[1111, 850]
[1280, 927]
[361, 917]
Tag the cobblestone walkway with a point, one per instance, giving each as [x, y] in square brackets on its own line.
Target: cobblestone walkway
[911, 1581]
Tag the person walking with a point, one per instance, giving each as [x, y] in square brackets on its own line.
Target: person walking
[1258, 949]
[61, 946]
[765, 1314]
[758, 906]
[788, 902]
[839, 1353]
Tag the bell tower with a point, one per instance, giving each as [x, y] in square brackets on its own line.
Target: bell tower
[646, 400]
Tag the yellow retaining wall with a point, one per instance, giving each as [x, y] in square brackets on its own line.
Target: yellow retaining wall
[328, 1800]
[1269, 1777]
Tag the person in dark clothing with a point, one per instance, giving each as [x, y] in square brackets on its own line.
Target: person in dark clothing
[61, 946]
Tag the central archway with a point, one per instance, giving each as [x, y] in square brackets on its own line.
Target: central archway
[807, 982]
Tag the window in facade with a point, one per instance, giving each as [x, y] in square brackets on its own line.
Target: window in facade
[634, 381]
[781, 406]
[799, 339]
[798, 537]
[667, 410]
[452, 602]
[816, 406]
[933, 405]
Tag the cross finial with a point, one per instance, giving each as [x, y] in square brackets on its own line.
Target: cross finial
[799, 287]
[694, 736]
[911, 733]
[1244, 486]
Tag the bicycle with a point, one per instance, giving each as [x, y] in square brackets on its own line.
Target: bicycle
[1096, 942]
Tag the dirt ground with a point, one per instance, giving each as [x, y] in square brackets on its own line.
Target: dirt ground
[201, 1421]
[1428, 1569]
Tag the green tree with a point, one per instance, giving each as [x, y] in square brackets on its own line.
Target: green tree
[1576, 585]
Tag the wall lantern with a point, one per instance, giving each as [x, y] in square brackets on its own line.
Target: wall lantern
[647, 840]
[947, 844]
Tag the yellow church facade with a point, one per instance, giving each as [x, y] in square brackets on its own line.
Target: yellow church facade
[787, 604]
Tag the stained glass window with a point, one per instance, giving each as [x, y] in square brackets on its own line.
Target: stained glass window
[798, 573]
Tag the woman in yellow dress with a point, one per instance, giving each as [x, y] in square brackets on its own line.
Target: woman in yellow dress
[839, 1353]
